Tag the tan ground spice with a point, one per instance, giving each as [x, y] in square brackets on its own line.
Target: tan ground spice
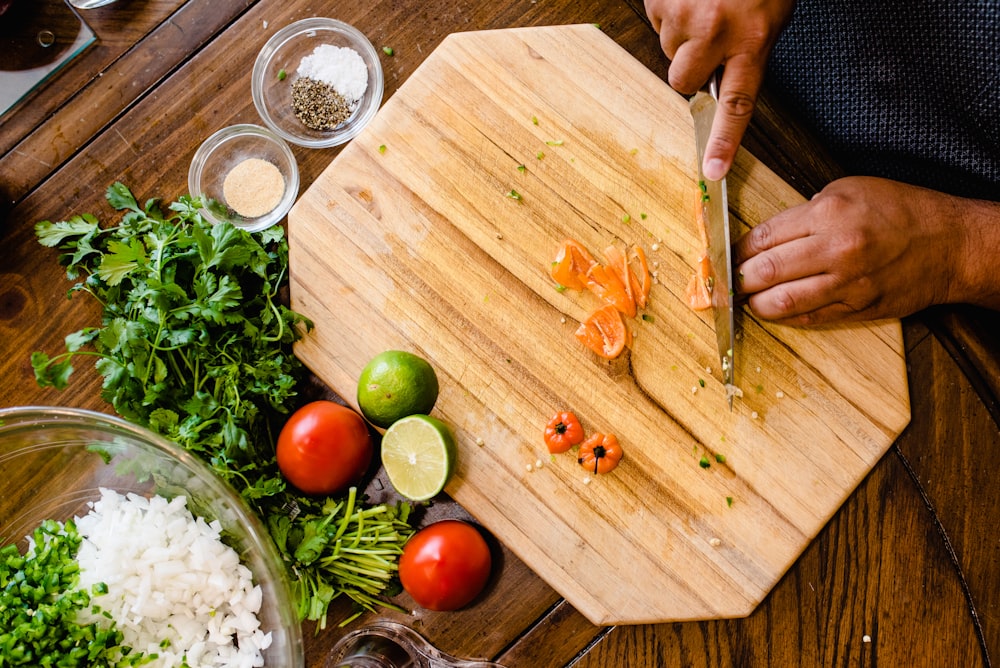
[253, 188]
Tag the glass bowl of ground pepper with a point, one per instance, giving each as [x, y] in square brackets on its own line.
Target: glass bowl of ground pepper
[317, 82]
[245, 175]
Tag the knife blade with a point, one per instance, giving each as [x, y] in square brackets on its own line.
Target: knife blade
[715, 200]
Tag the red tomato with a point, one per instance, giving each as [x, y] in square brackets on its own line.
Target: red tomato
[445, 565]
[324, 448]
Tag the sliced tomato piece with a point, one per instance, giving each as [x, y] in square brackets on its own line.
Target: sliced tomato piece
[571, 265]
[699, 292]
[641, 280]
[604, 283]
[619, 266]
[604, 332]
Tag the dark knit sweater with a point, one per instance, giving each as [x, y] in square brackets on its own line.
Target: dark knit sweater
[904, 89]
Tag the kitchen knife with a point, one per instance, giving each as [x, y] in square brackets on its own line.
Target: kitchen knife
[715, 201]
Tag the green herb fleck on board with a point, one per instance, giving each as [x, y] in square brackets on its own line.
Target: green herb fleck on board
[388, 50]
[282, 74]
[703, 462]
[381, 148]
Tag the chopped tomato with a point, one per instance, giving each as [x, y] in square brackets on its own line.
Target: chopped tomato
[604, 283]
[571, 265]
[600, 453]
[642, 281]
[563, 432]
[618, 265]
[699, 292]
[604, 332]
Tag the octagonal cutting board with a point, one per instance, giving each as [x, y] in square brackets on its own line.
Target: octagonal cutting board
[413, 239]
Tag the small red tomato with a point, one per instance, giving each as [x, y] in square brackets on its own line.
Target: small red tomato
[324, 448]
[445, 565]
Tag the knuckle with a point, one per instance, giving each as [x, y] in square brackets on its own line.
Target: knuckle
[738, 104]
[760, 238]
[854, 243]
[767, 269]
[680, 80]
[784, 302]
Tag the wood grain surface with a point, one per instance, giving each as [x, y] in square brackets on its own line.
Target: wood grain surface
[905, 572]
[420, 247]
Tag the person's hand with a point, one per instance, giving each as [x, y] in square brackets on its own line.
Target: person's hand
[700, 35]
[868, 248]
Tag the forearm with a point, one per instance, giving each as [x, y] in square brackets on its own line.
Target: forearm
[977, 267]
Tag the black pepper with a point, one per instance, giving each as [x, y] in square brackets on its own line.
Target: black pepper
[317, 105]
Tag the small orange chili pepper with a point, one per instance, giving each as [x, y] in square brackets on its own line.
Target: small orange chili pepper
[563, 432]
[600, 453]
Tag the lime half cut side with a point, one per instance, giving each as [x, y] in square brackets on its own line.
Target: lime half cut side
[418, 453]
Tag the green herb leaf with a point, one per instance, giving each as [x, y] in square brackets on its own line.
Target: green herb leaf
[196, 345]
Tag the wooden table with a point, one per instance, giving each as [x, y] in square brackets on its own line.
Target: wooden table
[905, 573]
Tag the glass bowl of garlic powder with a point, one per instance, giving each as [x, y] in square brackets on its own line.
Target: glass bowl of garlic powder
[317, 82]
[245, 175]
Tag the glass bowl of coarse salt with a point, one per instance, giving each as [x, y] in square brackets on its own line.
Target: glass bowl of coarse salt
[245, 175]
[317, 82]
[130, 538]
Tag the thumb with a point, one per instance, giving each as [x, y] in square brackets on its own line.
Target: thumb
[738, 90]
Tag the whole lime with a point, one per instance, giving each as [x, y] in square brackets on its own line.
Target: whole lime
[394, 385]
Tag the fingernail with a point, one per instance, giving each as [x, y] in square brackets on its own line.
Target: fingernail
[715, 169]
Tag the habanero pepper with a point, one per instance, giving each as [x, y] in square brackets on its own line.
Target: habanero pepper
[600, 453]
[563, 432]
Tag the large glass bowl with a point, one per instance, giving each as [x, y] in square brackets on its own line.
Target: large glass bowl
[55, 460]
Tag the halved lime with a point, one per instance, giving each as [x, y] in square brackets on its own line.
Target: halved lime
[418, 453]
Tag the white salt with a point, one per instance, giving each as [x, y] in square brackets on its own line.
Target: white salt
[340, 67]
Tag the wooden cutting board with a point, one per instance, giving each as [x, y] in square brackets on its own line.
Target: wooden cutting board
[411, 240]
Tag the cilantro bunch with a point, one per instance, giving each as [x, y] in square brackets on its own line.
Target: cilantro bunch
[195, 345]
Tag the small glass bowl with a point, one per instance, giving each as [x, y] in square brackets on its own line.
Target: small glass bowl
[272, 90]
[222, 152]
[56, 460]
